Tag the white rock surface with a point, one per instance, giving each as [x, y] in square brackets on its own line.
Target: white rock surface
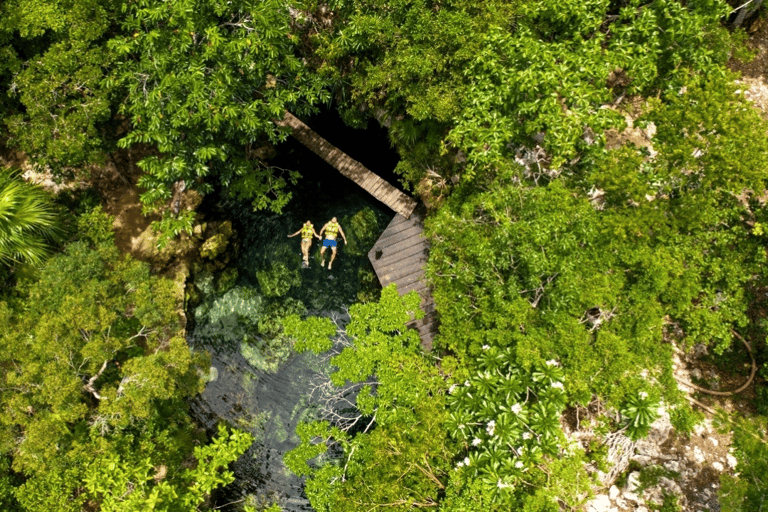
[657, 434]
[600, 504]
[670, 485]
[633, 481]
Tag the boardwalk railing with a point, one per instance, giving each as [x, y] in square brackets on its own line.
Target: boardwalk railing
[352, 169]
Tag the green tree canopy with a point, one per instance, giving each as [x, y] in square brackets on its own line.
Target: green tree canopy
[208, 112]
[592, 269]
[53, 63]
[494, 77]
[94, 371]
[391, 449]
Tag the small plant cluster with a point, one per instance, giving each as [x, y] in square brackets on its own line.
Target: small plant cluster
[508, 418]
[638, 412]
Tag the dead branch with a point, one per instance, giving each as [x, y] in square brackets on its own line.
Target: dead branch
[89, 385]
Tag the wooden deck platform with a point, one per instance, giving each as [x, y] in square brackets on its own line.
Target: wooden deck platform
[352, 169]
[399, 256]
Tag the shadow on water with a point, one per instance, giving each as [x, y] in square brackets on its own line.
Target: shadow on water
[257, 382]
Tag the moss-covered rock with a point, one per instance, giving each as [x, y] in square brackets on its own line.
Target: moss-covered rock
[218, 239]
[198, 231]
[146, 247]
[264, 354]
[226, 280]
[278, 279]
[204, 281]
[193, 297]
[214, 246]
[362, 230]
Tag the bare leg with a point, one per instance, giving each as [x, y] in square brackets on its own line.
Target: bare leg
[322, 256]
[333, 257]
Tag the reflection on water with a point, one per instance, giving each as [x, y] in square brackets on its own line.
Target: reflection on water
[257, 382]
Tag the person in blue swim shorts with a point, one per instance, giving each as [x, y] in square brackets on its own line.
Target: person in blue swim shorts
[331, 229]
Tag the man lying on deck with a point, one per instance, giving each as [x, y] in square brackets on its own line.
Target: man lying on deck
[331, 229]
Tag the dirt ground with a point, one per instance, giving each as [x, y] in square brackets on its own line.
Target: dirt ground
[753, 73]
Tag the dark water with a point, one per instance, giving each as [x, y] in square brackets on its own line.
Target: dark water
[261, 385]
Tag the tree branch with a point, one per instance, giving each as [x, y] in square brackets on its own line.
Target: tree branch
[89, 385]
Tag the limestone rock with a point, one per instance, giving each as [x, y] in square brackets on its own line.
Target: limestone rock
[600, 504]
[630, 491]
[633, 481]
[657, 435]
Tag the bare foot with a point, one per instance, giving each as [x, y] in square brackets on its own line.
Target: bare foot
[329, 265]
[322, 263]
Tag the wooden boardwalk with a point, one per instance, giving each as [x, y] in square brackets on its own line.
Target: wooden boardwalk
[399, 256]
[352, 169]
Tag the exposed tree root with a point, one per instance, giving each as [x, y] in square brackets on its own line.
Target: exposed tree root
[724, 393]
[696, 402]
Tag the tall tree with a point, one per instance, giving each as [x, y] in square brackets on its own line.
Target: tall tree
[53, 66]
[381, 438]
[493, 78]
[209, 112]
[595, 267]
[94, 372]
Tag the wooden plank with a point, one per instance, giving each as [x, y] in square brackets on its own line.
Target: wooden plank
[397, 195]
[366, 183]
[406, 249]
[402, 275]
[407, 208]
[347, 166]
[409, 263]
[405, 232]
[405, 266]
[403, 252]
[395, 228]
[426, 331]
[429, 306]
[413, 281]
[427, 328]
[377, 190]
[405, 243]
[373, 186]
[392, 198]
[396, 221]
[417, 285]
[392, 257]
